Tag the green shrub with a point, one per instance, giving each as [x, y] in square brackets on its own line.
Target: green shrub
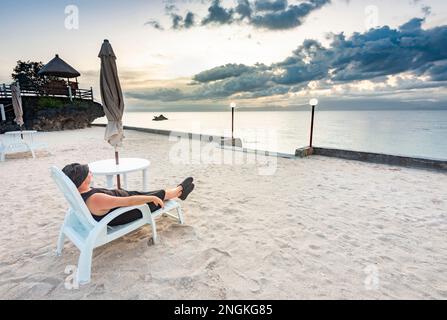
[59, 103]
[49, 103]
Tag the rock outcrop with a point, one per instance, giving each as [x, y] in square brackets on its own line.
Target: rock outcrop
[159, 118]
[54, 114]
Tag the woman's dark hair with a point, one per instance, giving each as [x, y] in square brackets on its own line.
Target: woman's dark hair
[77, 173]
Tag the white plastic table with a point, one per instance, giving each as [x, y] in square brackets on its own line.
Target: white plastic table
[110, 169]
[19, 141]
[20, 132]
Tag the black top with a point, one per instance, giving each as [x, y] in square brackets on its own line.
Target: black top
[113, 193]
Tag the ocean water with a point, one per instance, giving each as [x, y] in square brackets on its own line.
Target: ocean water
[399, 132]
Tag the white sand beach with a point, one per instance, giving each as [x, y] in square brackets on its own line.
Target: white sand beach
[319, 227]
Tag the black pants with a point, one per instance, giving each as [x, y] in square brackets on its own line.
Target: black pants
[135, 214]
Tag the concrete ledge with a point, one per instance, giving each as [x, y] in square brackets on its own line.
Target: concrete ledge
[421, 163]
[236, 142]
[304, 152]
[220, 140]
[198, 136]
[427, 163]
[260, 152]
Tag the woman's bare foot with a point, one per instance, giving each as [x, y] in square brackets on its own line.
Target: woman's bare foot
[181, 191]
[173, 193]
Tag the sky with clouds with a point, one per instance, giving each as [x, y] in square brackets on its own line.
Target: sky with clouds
[201, 55]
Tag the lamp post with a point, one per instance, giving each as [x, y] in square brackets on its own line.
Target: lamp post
[313, 103]
[233, 106]
[235, 142]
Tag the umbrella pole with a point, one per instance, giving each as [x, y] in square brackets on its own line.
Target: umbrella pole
[118, 179]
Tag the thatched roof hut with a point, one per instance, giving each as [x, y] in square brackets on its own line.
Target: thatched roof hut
[59, 68]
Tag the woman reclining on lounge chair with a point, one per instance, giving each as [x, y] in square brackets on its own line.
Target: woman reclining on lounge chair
[101, 201]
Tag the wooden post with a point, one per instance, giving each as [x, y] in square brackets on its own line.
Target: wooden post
[70, 93]
[118, 178]
[91, 92]
[2, 111]
[77, 87]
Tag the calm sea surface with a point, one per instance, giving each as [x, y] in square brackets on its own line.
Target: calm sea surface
[409, 133]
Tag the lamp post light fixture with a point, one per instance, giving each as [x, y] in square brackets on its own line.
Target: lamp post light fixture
[313, 103]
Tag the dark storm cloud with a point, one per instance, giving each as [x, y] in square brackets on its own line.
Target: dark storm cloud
[438, 72]
[244, 9]
[372, 55]
[265, 14]
[189, 20]
[222, 72]
[267, 5]
[218, 14]
[274, 15]
[288, 17]
[247, 82]
[385, 51]
[176, 21]
[154, 24]
[179, 23]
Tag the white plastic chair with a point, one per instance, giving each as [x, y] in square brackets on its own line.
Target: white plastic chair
[87, 234]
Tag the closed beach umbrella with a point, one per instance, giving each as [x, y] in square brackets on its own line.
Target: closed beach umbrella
[112, 98]
[17, 104]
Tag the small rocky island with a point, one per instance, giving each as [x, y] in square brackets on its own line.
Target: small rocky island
[160, 118]
[50, 101]
[54, 114]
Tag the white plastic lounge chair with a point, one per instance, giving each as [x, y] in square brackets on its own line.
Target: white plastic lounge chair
[2, 151]
[86, 233]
